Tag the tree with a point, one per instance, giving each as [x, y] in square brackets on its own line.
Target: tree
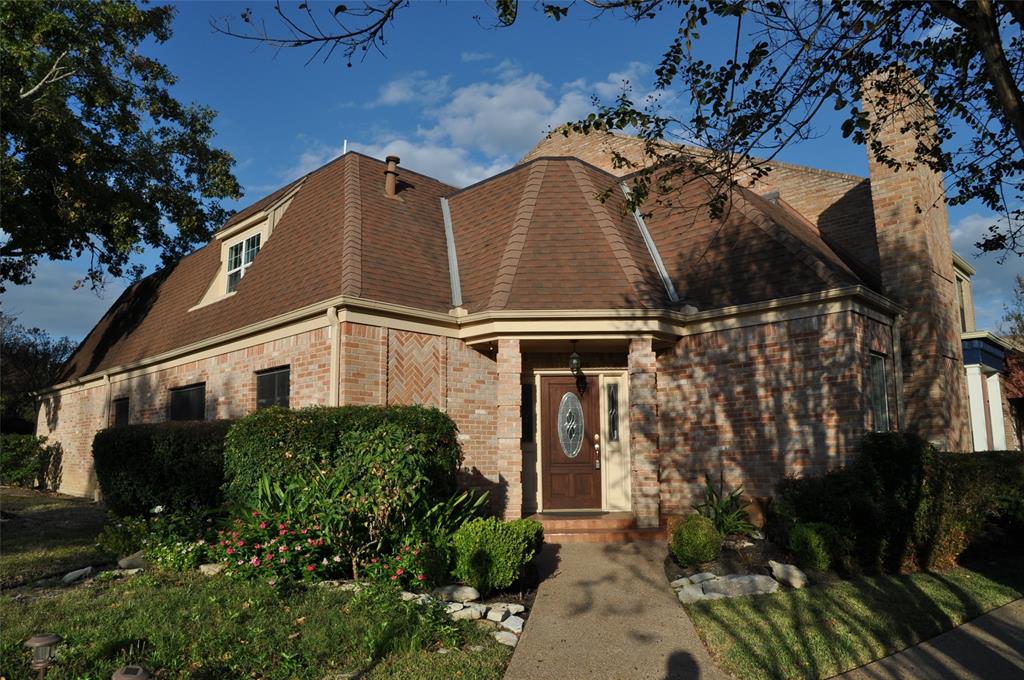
[31, 360]
[788, 61]
[98, 157]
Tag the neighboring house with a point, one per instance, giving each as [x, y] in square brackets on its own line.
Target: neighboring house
[763, 344]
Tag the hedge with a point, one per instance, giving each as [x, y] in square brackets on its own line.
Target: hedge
[695, 540]
[177, 465]
[902, 505]
[24, 460]
[490, 554]
[281, 444]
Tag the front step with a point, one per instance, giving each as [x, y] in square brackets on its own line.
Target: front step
[608, 527]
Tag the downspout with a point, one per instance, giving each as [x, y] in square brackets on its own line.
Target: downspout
[334, 330]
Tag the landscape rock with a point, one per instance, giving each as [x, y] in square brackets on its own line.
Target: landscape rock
[690, 593]
[406, 596]
[467, 614]
[498, 615]
[76, 575]
[737, 585]
[506, 638]
[736, 544]
[457, 593]
[482, 608]
[453, 607]
[133, 561]
[515, 609]
[680, 582]
[702, 577]
[118, 573]
[788, 574]
[714, 596]
[514, 624]
[211, 569]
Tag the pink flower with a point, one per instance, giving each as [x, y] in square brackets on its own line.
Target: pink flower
[240, 544]
[399, 571]
[231, 551]
[282, 560]
[394, 578]
[310, 567]
[421, 577]
[255, 561]
[263, 525]
[282, 548]
[374, 560]
[316, 527]
[280, 526]
[257, 546]
[255, 513]
[282, 532]
[304, 531]
[415, 552]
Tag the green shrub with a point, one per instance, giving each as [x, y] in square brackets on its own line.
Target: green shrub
[122, 536]
[728, 512]
[810, 546]
[24, 459]
[176, 465]
[438, 524]
[902, 505]
[695, 540]
[490, 554]
[282, 444]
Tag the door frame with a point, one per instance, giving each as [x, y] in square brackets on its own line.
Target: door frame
[611, 457]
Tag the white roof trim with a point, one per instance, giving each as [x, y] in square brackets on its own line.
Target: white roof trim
[453, 258]
[659, 264]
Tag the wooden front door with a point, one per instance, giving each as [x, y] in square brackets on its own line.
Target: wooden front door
[571, 457]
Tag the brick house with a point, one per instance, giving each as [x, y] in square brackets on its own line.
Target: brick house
[593, 358]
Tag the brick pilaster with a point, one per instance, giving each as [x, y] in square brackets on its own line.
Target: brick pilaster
[510, 455]
[643, 432]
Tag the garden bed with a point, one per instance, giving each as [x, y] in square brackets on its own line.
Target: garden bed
[830, 628]
[752, 559]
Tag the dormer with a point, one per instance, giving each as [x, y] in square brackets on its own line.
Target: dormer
[240, 242]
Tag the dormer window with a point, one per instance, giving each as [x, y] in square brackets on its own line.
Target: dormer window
[240, 256]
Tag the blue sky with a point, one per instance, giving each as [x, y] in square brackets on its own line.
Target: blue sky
[453, 98]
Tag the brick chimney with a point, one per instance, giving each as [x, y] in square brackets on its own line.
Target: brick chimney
[916, 258]
[391, 175]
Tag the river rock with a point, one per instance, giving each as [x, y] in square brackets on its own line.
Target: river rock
[133, 561]
[466, 614]
[76, 575]
[514, 624]
[457, 593]
[211, 569]
[690, 593]
[702, 577]
[740, 585]
[453, 607]
[515, 609]
[680, 582]
[788, 574]
[496, 615]
[506, 638]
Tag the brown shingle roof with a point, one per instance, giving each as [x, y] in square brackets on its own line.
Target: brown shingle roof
[534, 237]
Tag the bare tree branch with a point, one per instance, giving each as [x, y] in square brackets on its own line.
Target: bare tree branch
[55, 74]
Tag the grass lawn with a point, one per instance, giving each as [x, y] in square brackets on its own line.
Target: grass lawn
[46, 534]
[190, 626]
[830, 628]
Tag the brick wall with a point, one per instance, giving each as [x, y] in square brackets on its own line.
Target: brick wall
[73, 417]
[761, 402]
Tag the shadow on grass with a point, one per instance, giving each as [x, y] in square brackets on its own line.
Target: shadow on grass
[824, 630]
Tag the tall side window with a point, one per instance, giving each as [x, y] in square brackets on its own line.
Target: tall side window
[188, 403]
[240, 257]
[879, 393]
[272, 387]
[121, 411]
[612, 397]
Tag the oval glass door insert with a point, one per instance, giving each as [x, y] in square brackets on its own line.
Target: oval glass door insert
[570, 424]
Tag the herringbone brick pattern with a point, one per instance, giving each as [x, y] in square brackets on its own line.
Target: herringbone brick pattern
[414, 369]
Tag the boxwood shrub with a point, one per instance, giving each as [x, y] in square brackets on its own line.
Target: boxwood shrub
[281, 444]
[177, 465]
[902, 505]
[490, 554]
[695, 540]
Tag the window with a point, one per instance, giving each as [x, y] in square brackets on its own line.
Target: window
[526, 412]
[188, 403]
[879, 388]
[272, 387]
[120, 411]
[612, 395]
[240, 257]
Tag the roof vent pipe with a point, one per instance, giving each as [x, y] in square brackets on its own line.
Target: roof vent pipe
[391, 175]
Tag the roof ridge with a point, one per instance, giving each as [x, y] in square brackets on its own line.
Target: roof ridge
[611, 234]
[517, 238]
[352, 231]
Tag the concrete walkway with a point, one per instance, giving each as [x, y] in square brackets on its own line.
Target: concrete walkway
[606, 611]
[991, 647]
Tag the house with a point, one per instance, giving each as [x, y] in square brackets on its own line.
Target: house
[593, 358]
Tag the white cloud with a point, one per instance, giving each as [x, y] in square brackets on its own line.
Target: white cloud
[476, 56]
[993, 285]
[414, 88]
[450, 164]
[52, 303]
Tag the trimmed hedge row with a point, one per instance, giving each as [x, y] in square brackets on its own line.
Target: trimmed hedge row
[902, 505]
[281, 444]
[178, 465]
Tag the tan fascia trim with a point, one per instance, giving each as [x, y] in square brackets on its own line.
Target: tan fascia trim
[991, 337]
[963, 265]
[256, 218]
[523, 324]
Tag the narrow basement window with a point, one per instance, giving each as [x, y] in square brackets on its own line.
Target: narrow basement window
[240, 257]
[120, 411]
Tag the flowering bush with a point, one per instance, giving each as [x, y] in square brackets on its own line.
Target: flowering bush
[182, 555]
[276, 548]
[173, 541]
[409, 568]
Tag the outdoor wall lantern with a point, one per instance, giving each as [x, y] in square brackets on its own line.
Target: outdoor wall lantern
[576, 368]
[132, 672]
[43, 648]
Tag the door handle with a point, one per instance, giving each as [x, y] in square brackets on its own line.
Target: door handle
[597, 456]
